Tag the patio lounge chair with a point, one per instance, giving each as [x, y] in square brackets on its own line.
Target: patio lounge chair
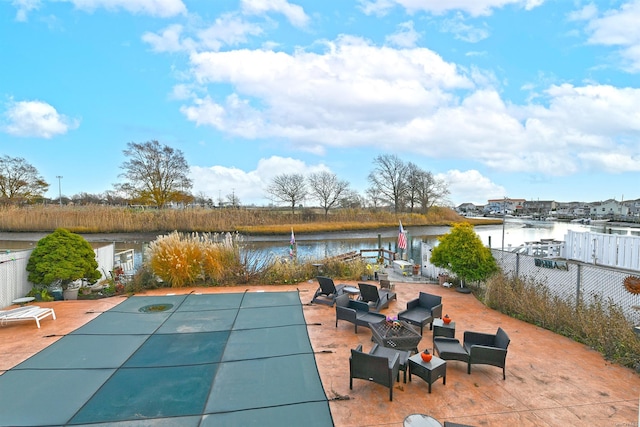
[376, 299]
[379, 369]
[422, 310]
[327, 292]
[356, 312]
[32, 312]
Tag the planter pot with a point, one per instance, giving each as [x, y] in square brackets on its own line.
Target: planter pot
[70, 294]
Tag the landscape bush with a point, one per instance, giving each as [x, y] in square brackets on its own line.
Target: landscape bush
[599, 324]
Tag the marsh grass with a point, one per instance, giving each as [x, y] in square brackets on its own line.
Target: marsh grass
[600, 324]
[113, 219]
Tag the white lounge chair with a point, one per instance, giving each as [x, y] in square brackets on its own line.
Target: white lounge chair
[32, 312]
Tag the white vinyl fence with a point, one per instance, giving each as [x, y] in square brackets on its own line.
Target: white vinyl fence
[13, 271]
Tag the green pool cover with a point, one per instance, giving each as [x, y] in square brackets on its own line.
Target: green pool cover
[187, 360]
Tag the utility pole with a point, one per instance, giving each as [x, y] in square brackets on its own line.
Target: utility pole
[59, 188]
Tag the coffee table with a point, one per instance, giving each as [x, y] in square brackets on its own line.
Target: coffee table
[428, 371]
[397, 335]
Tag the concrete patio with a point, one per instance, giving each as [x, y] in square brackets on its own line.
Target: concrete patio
[551, 380]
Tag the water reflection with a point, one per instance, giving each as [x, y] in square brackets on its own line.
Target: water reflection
[323, 245]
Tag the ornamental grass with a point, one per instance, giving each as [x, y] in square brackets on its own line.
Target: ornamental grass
[600, 324]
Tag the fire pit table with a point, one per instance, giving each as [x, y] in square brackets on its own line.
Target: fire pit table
[397, 335]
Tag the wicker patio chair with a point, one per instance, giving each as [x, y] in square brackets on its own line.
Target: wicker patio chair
[356, 312]
[422, 310]
[378, 369]
[487, 349]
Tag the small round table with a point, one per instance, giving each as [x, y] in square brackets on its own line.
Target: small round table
[421, 420]
[23, 300]
[351, 290]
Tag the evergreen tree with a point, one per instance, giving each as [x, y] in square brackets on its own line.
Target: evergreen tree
[62, 256]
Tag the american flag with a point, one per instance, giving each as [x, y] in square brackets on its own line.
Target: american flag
[292, 243]
[402, 238]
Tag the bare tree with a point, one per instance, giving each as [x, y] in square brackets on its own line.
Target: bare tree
[388, 180]
[351, 200]
[414, 178]
[87, 199]
[327, 189]
[430, 191]
[288, 188]
[20, 181]
[233, 200]
[156, 174]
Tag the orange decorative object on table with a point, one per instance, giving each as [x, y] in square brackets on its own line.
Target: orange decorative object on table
[446, 319]
[426, 356]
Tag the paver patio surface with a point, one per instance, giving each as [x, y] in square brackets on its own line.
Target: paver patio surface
[551, 380]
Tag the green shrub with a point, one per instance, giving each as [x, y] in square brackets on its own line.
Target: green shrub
[62, 256]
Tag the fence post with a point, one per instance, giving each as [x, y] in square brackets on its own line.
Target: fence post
[517, 265]
[578, 279]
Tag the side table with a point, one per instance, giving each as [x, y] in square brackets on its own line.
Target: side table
[351, 290]
[22, 301]
[441, 329]
[420, 420]
[428, 371]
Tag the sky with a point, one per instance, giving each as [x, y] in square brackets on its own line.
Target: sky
[530, 99]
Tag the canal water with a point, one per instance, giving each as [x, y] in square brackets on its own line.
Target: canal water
[514, 232]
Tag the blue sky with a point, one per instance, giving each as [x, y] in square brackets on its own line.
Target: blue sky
[533, 99]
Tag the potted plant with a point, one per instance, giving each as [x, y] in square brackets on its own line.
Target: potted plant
[64, 258]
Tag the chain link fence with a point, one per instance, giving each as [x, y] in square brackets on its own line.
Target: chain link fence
[574, 281]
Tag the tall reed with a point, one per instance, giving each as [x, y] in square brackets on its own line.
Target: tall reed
[600, 324]
[113, 219]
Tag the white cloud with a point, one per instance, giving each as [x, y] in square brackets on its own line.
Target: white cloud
[406, 36]
[355, 94]
[160, 8]
[438, 7]
[36, 119]
[227, 30]
[167, 41]
[249, 187]
[295, 14]
[470, 186]
[24, 7]
[463, 31]
[616, 27]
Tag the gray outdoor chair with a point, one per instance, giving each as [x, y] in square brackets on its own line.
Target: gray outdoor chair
[378, 369]
[327, 291]
[356, 312]
[477, 349]
[377, 299]
[422, 310]
[487, 349]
